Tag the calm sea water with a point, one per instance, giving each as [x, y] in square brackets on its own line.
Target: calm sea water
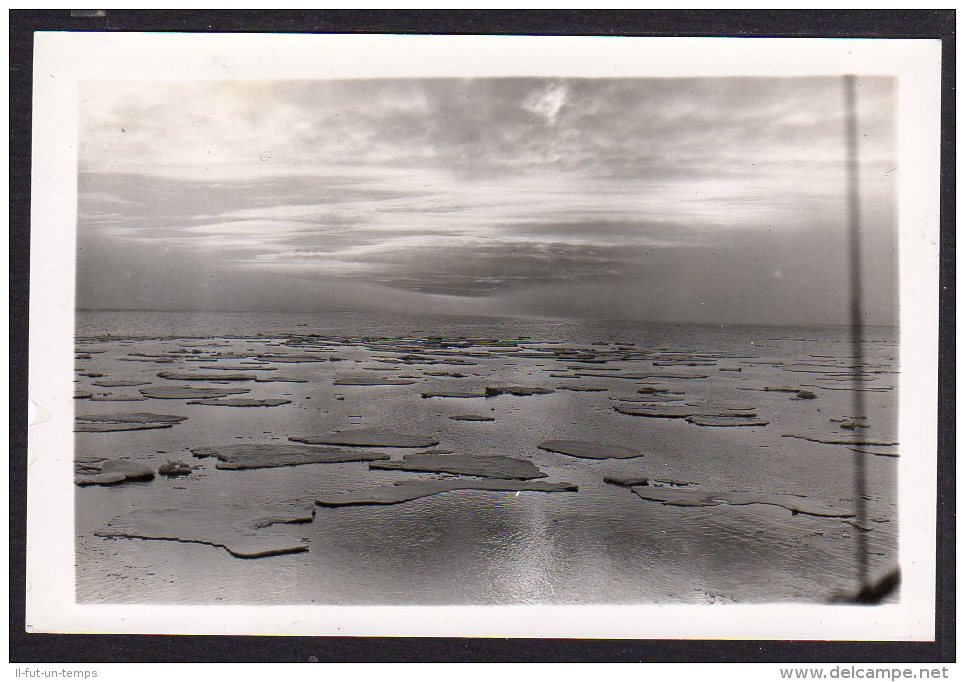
[215, 324]
[600, 545]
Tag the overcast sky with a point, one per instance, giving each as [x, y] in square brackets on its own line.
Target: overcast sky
[718, 200]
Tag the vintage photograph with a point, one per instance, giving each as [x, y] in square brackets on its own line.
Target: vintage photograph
[485, 340]
[436, 334]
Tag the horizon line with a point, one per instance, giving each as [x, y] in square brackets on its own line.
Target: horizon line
[480, 315]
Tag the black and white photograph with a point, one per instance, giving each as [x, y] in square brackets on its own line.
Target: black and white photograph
[453, 336]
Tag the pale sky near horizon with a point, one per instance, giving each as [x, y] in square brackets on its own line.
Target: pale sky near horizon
[708, 200]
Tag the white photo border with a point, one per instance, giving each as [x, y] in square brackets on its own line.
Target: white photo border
[63, 60]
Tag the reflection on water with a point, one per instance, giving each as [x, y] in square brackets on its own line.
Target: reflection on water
[600, 545]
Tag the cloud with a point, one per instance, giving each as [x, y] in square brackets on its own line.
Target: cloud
[547, 103]
[482, 190]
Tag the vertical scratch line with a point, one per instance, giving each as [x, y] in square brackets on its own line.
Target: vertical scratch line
[857, 349]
